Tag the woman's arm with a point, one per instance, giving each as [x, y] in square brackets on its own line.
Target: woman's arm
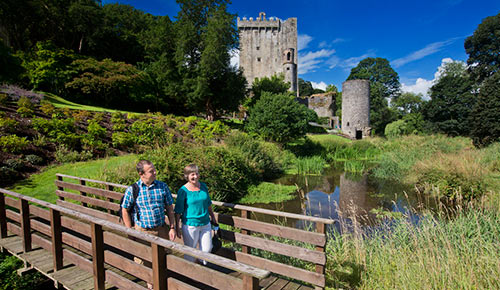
[212, 215]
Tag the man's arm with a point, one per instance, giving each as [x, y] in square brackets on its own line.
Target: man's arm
[171, 222]
[178, 224]
[127, 219]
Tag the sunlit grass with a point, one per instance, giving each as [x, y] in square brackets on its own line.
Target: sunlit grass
[59, 102]
[267, 192]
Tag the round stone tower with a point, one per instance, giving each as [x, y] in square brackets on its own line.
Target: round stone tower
[290, 68]
[356, 108]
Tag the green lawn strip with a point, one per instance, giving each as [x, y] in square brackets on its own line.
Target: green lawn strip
[41, 186]
[62, 103]
[321, 138]
[267, 192]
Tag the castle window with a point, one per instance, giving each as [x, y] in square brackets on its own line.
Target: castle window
[258, 47]
[287, 68]
[288, 54]
[347, 124]
[258, 59]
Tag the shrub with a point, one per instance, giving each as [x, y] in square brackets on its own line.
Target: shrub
[123, 140]
[47, 108]
[34, 159]
[81, 115]
[118, 121]
[26, 107]
[59, 130]
[8, 125]
[4, 99]
[7, 175]
[279, 118]
[65, 155]
[11, 280]
[396, 129]
[13, 143]
[95, 130]
[15, 164]
[150, 132]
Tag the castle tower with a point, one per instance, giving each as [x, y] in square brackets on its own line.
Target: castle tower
[356, 108]
[265, 45]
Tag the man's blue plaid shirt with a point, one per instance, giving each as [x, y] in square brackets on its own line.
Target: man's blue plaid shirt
[151, 202]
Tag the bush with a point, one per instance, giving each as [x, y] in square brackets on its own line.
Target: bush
[47, 108]
[61, 131]
[279, 118]
[15, 164]
[150, 132]
[4, 99]
[7, 175]
[396, 129]
[65, 155]
[9, 279]
[26, 107]
[34, 159]
[8, 125]
[123, 140]
[13, 143]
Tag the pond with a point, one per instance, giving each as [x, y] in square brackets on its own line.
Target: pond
[343, 197]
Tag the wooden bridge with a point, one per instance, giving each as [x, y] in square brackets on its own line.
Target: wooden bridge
[80, 244]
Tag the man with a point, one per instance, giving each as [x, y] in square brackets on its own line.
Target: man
[148, 213]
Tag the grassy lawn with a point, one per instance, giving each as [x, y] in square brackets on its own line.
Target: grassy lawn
[41, 186]
[59, 102]
[322, 138]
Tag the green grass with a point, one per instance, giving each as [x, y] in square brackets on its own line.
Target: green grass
[327, 138]
[310, 165]
[439, 253]
[41, 186]
[267, 192]
[59, 102]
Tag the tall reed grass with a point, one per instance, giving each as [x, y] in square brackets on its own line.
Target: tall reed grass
[454, 250]
[310, 165]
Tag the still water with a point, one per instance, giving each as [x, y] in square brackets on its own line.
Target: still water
[344, 198]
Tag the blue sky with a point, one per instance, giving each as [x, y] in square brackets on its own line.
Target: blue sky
[415, 36]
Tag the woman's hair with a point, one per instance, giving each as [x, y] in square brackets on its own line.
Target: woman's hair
[190, 169]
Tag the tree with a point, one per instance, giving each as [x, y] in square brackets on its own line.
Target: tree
[483, 48]
[10, 65]
[279, 118]
[485, 116]
[275, 84]
[384, 85]
[206, 33]
[306, 88]
[408, 103]
[451, 101]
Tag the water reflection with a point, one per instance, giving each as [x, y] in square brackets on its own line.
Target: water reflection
[343, 197]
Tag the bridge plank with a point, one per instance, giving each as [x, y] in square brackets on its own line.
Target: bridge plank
[89, 211]
[89, 200]
[12, 202]
[275, 247]
[278, 284]
[202, 274]
[174, 284]
[90, 190]
[128, 266]
[313, 238]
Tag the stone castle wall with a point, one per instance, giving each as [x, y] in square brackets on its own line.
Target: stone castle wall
[263, 44]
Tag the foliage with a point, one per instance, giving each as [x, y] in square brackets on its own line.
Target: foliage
[123, 140]
[64, 155]
[451, 101]
[260, 193]
[108, 83]
[10, 64]
[15, 93]
[408, 103]
[34, 159]
[47, 108]
[61, 131]
[384, 83]
[8, 125]
[310, 165]
[225, 172]
[279, 118]
[275, 84]
[485, 116]
[483, 48]
[26, 107]
[150, 132]
[13, 143]
[306, 88]
[9, 279]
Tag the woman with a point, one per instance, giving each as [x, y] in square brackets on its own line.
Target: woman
[194, 206]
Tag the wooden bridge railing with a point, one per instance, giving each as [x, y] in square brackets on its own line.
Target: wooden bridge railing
[101, 247]
[307, 246]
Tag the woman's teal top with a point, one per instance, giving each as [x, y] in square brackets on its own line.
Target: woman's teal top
[193, 205]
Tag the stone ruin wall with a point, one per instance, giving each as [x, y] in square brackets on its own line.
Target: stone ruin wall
[263, 43]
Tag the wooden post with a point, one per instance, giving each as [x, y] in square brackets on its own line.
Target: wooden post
[57, 250]
[110, 188]
[159, 267]
[320, 228]
[60, 178]
[3, 217]
[25, 225]
[83, 193]
[98, 256]
[245, 249]
[250, 283]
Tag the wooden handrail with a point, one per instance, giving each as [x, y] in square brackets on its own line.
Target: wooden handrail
[246, 270]
[227, 204]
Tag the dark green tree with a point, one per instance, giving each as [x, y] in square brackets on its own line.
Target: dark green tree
[483, 48]
[275, 84]
[206, 33]
[408, 103]
[306, 88]
[384, 85]
[10, 65]
[485, 116]
[279, 118]
[451, 101]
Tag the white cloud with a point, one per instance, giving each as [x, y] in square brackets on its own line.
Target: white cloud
[320, 85]
[421, 85]
[353, 61]
[235, 57]
[323, 44]
[338, 40]
[421, 53]
[302, 41]
[309, 61]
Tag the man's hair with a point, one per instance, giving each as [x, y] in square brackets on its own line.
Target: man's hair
[140, 165]
[190, 169]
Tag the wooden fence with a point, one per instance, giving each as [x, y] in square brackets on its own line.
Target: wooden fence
[102, 247]
[101, 199]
